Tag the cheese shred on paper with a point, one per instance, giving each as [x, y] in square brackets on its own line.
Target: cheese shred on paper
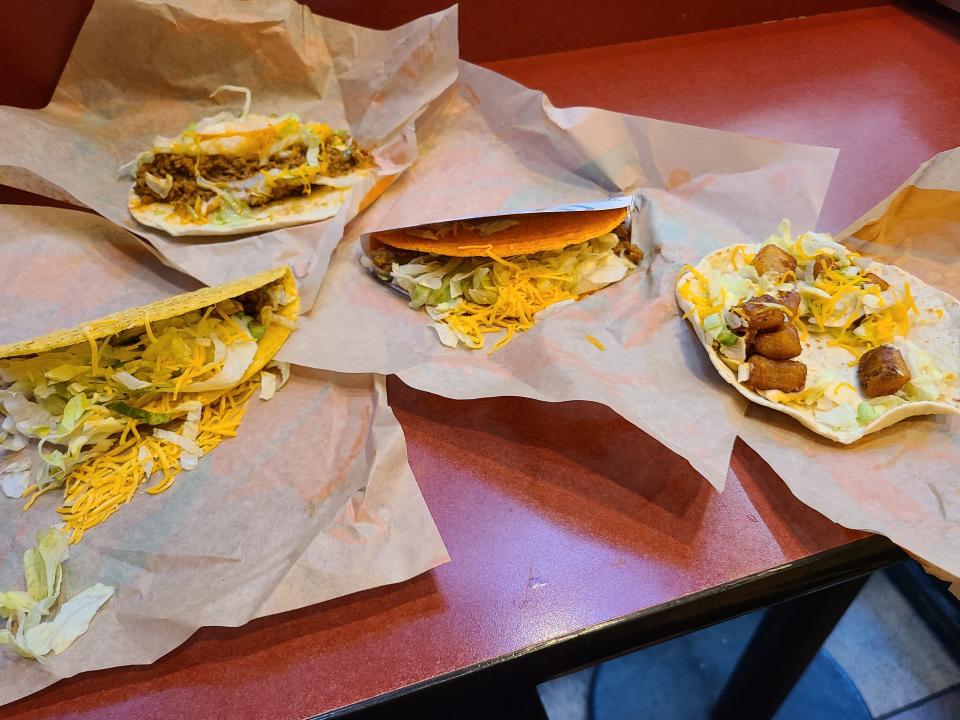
[97, 411]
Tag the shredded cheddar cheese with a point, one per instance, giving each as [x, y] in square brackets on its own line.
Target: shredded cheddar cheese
[474, 296]
[596, 343]
[527, 292]
[110, 415]
[98, 487]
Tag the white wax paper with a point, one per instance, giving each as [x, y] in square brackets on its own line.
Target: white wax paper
[902, 482]
[490, 146]
[313, 500]
[142, 68]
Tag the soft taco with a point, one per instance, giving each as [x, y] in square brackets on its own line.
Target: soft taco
[230, 174]
[842, 343]
[493, 275]
[98, 409]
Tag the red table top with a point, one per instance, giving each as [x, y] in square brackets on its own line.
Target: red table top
[560, 517]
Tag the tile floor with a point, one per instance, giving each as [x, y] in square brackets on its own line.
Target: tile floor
[896, 665]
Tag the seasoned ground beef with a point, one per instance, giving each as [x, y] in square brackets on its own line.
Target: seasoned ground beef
[628, 250]
[221, 168]
[625, 248]
[384, 256]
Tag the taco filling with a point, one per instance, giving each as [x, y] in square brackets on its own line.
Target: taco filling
[100, 417]
[835, 337]
[493, 276]
[227, 168]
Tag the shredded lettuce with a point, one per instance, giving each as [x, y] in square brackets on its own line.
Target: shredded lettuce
[715, 328]
[842, 417]
[150, 418]
[238, 358]
[68, 405]
[928, 374]
[867, 413]
[129, 381]
[25, 634]
[161, 186]
[457, 292]
[15, 472]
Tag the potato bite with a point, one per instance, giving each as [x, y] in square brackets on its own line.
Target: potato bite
[782, 344]
[882, 371]
[761, 313]
[822, 263]
[772, 259]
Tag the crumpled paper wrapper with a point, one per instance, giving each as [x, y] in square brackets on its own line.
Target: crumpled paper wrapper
[141, 69]
[491, 146]
[313, 500]
[902, 482]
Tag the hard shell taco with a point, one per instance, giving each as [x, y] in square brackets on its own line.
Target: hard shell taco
[842, 343]
[493, 275]
[230, 174]
[98, 409]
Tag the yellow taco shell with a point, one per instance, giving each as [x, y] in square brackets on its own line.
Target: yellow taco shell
[275, 334]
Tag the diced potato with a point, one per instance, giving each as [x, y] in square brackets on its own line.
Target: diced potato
[822, 263]
[877, 280]
[772, 259]
[761, 313]
[790, 300]
[783, 375]
[781, 344]
[882, 371]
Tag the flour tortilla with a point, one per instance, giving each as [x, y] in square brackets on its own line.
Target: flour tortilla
[236, 136]
[943, 335]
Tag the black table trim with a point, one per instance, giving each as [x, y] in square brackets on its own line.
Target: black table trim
[516, 671]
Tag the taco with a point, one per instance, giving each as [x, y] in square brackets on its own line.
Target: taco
[230, 174]
[493, 275]
[98, 409]
[842, 343]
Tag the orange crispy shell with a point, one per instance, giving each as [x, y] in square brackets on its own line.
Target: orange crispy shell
[533, 233]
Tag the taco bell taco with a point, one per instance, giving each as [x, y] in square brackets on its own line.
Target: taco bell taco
[493, 275]
[230, 174]
[98, 410]
[844, 344]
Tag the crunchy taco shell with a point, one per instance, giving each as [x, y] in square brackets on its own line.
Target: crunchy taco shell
[273, 338]
[522, 235]
[101, 462]
[943, 337]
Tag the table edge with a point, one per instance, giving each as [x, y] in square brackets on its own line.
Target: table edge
[542, 661]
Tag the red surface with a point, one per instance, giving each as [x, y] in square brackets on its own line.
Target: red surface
[881, 84]
[558, 517]
[489, 29]
[496, 29]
